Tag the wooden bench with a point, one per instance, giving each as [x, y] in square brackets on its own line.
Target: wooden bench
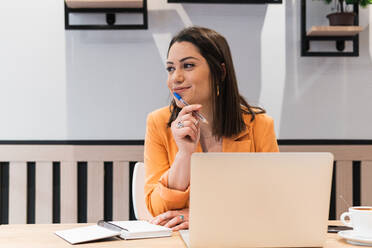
[65, 183]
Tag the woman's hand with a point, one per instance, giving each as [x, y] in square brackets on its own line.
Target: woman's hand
[175, 219]
[186, 129]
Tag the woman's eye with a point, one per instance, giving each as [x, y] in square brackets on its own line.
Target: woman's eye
[188, 66]
[170, 68]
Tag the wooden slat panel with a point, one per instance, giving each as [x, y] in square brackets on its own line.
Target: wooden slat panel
[70, 153]
[68, 192]
[121, 191]
[341, 152]
[366, 187]
[344, 186]
[95, 191]
[44, 193]
[17, 193]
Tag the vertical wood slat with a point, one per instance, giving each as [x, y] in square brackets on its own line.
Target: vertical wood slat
[366, 181]
[56, 192]
[44, 193]
[31, 190]
[4, 192]
[108, 189]
[344, 186]
[95, 191]
[17, 192]
[68, 192]
[82, 191]
[121, 191]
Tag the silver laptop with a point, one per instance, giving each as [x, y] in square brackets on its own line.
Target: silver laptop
[259, 199]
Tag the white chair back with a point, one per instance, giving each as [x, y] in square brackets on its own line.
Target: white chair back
[138, 193]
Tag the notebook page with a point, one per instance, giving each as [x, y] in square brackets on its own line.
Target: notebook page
[140, 226]
[84, 234]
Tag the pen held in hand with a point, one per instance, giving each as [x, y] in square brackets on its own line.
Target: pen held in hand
[202, 118]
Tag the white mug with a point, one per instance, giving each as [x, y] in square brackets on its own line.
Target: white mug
[360, 220]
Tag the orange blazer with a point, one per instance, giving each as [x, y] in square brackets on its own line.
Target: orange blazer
[161, 149]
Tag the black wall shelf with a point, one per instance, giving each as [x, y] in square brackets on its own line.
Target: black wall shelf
[110, 18]
[339, 40]
[226, 1]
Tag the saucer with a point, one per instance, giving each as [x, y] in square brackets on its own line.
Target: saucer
[355, 239]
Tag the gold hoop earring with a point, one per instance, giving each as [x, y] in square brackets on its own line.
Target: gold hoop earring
[218, 90]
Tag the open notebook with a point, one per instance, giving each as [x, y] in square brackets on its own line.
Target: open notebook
[122, 229]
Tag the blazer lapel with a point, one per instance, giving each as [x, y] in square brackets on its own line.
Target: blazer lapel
[239, 143]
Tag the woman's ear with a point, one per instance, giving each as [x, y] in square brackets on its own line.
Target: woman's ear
[223, 71]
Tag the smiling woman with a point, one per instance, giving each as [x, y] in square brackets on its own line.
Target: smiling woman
[201, 72]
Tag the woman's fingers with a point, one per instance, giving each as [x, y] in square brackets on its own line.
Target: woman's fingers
[188, 128]
[163, 217]
[187, 131]
[163, 223]
[187, 113]
[186, 124]
[168, 219]
[189, 109]
[183, 225]
[189, 117]
[190, 125]
[174, 221]
[188, 120]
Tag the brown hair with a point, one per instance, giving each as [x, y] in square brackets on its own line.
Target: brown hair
[228, 106]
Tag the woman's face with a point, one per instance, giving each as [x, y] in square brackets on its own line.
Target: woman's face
[188, 74]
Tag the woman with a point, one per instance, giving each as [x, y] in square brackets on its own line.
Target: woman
[201, 71]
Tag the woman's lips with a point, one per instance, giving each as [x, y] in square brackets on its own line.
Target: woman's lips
[179, 90]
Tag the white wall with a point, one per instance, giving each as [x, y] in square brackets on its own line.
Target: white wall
[57, 84]
[32, 70]
[326, 97]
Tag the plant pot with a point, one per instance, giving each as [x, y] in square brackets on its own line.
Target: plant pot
[341, 19]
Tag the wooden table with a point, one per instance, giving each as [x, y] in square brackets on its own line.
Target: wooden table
[42, 235]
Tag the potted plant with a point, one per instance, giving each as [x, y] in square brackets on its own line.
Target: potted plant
[343, 17]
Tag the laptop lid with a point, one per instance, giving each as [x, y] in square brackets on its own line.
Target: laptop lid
[259, 199]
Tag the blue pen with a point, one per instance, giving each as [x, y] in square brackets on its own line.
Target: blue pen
[186, 104]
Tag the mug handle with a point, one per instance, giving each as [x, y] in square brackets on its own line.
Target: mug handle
[347, 223]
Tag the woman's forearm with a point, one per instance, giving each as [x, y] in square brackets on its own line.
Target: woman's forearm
[179, 173]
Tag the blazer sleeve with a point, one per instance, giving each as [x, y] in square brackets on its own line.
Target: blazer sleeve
[159, 198]
[264, 134]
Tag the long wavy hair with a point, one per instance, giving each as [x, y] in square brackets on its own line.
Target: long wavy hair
[228, 106]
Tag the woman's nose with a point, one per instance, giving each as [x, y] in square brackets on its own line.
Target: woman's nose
[178, 76]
